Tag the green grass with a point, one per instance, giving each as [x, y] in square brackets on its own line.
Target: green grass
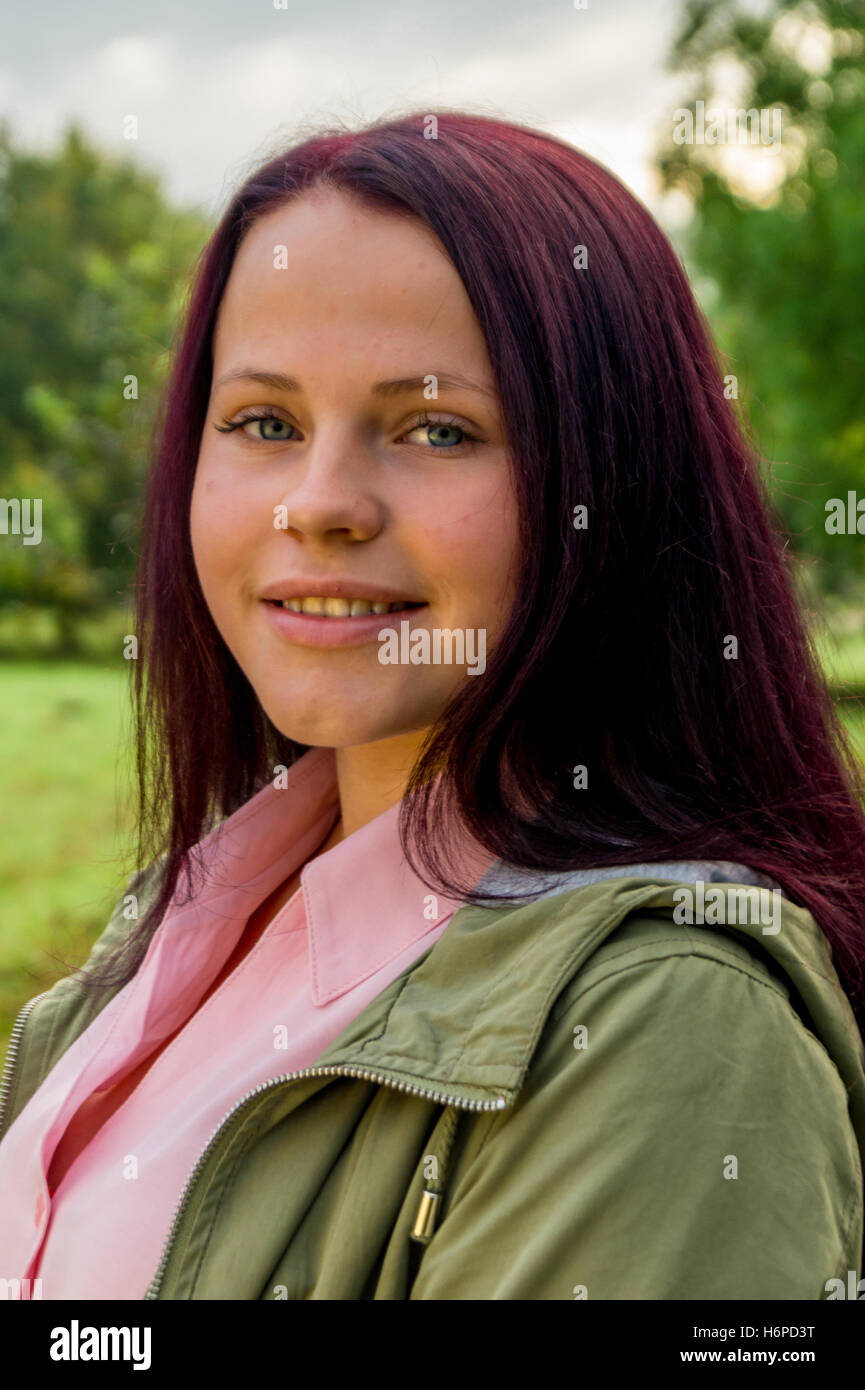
[65, 821]
[64, 825]
[841, 648]
[32, 632]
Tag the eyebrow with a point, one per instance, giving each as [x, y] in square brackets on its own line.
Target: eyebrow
[278, 382]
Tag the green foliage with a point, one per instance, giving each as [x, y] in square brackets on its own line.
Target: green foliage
[94, 268]
[777, 238]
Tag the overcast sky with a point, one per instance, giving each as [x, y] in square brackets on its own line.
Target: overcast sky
[217, 84]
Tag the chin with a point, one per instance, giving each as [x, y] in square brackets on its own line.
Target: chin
[333, 728]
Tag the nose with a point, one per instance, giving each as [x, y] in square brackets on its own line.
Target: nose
[333, 489]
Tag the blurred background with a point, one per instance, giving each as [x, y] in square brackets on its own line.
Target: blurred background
[124, 129]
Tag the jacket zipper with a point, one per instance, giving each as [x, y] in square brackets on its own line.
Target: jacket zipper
[498, 1104]
[12, 1054]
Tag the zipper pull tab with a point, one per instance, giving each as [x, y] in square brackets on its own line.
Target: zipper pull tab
[424, 1222]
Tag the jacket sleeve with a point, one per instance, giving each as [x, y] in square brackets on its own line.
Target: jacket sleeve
[698, 1146]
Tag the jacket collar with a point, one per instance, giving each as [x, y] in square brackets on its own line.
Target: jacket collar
[462, 1022]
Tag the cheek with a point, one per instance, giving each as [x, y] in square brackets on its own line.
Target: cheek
[216, 530]
[204, 523]
[222, 513]
[473, 544]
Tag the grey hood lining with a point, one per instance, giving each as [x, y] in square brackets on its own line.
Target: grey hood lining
[504, 879]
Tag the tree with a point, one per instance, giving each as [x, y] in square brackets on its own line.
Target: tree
[94, 267]
[778, 233]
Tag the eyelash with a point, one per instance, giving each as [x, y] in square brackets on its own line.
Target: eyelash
[264, 413]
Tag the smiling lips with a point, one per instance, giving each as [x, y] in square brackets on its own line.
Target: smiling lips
[321, 607]
[318, 620]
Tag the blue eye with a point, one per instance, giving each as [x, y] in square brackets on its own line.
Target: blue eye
[262, 415]
[273, 420]
[439, 427]
[258, 416]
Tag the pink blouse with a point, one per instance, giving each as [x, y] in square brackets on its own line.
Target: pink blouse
[359, 919]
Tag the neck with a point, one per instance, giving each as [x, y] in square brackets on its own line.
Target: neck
[372, 777]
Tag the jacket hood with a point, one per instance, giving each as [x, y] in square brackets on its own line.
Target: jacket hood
[465, 1020]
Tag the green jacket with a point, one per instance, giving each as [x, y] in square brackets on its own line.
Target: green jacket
[572, 1097]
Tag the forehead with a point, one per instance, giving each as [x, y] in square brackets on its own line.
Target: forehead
[327, 270]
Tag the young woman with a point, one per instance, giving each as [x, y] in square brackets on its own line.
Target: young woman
[496, 932]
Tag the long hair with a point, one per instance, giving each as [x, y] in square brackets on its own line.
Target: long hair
[656, 639]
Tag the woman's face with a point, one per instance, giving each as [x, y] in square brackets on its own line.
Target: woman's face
[345, 492]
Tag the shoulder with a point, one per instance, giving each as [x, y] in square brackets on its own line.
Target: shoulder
[703, 1004]
[648, 948]
[680, 1133]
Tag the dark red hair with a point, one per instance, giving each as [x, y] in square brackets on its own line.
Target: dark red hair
[614, 654]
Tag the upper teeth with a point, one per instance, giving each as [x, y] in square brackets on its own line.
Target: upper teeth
[339, 607]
